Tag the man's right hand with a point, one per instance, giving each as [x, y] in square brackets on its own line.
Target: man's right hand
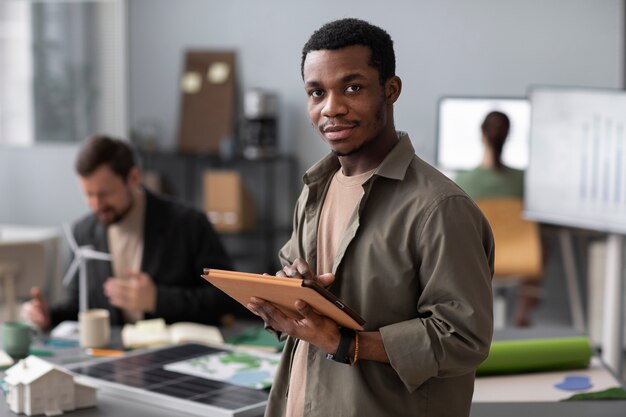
[37, 310]
[301, 269]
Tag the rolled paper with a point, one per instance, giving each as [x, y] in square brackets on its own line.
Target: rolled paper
[533, 355]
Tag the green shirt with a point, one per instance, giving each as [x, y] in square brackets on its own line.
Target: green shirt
[416, 262]
[486, 182]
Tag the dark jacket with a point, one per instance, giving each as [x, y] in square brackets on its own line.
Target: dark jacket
[179, 242]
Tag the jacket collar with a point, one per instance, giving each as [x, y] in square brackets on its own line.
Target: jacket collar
[394, 165]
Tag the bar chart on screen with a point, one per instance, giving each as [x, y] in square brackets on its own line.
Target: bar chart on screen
[577, 172]
[577, 178]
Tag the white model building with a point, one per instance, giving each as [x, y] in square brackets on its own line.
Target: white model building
[38, 387]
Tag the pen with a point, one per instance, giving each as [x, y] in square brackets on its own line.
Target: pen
[105, 352]
[61, 343]
[41, 352]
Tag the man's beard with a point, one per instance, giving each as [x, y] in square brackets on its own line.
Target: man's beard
[353, 151]
[358, 149]
[122, 214]
[367, 143]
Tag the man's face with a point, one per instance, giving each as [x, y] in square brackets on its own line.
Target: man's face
[108, 195]
[346, 100]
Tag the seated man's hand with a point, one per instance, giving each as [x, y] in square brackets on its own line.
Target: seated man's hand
[135, 293]
[37, 310]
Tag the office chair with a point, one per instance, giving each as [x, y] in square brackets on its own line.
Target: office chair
[518, 249]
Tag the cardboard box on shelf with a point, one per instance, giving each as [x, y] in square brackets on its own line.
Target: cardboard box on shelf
[226, 201]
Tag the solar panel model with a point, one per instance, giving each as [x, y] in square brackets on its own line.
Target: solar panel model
[142, 377]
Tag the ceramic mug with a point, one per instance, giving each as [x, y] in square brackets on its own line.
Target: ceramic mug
[94, 328]
[16, 338]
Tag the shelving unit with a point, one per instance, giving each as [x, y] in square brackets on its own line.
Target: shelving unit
[271, 182]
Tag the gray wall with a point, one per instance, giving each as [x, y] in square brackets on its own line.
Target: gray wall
[445, 47]
[38, 186]
[448, 47]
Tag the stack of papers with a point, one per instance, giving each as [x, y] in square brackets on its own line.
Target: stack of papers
[154, 332]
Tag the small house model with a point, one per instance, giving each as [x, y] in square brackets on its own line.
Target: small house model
[39, 387]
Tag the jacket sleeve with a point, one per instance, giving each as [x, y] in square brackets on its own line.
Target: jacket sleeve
[188, 297]
[453, 331]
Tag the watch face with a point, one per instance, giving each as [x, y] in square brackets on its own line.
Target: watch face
[341, 355]
[332, 357]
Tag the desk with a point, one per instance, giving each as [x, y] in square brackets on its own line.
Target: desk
[111, 406]
[534, 394]
[114, 407]
[112, 403]
[539, 386]
[543, 409]
[107, 406]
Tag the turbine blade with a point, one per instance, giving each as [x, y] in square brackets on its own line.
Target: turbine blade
[70, 237]
[71, 271]
[93, 254]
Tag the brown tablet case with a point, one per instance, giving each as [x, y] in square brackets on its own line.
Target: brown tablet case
[283, 292]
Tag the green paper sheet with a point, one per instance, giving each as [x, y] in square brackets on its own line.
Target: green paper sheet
[532, 355]
[615, 393]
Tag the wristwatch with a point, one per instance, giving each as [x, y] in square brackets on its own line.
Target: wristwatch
[341, 355]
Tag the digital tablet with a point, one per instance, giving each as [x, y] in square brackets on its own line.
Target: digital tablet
[283, 292]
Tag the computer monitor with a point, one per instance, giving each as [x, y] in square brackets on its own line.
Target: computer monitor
[459, 139]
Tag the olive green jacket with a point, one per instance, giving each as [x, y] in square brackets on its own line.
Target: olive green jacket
[416, 262]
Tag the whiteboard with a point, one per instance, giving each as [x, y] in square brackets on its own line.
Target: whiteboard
[576, 175]
[459, 136]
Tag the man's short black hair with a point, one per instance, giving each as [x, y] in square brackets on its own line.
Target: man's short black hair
[101, 150]
[348, 32]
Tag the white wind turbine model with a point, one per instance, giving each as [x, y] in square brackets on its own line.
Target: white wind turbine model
[82, 254]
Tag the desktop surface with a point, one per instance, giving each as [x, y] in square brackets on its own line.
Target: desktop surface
[146, 376]
[137, 384]
[112, 405]
[550, 409]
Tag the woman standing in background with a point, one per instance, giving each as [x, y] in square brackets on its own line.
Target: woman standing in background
[493, 179]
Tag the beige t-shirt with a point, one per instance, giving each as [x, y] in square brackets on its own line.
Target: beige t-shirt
[344, 194]
[125, 240]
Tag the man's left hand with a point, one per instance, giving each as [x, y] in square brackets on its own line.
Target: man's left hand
[136, 293]
[314, 328]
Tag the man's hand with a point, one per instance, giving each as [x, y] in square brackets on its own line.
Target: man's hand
[312, 327]
[136, 293]
[37, 310]
[300, 269]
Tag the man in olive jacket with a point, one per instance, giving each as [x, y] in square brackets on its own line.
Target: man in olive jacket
[395, 239]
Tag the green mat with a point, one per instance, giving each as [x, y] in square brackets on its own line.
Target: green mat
[257, 337]
[532, 355]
